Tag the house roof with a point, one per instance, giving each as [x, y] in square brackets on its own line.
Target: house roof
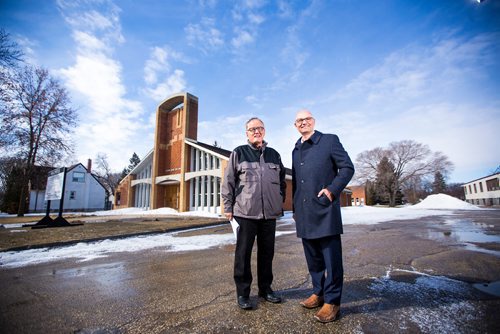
[39, 177]
[41, 173]
[212, 148]
[482, 178]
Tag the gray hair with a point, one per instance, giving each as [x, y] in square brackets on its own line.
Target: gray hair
[254, 119]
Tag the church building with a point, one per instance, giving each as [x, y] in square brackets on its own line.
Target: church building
[181, 172]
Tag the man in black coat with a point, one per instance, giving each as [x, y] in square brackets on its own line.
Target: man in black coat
[321, 169]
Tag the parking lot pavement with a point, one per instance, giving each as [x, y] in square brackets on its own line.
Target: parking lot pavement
[412, 276]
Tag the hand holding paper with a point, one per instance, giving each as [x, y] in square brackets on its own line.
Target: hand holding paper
[235, 226]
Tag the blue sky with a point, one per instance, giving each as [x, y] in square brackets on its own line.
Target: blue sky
[372, 72]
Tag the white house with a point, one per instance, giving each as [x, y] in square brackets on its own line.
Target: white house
[83, 192]
[484, 191]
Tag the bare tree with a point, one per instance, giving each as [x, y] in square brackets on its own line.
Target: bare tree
[106, 176]
[36, 118]
[410, 161]
[10, 52]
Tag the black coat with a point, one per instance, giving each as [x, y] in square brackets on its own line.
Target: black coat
[320, 162]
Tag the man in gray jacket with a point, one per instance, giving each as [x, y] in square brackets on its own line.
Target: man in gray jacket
[253, 192]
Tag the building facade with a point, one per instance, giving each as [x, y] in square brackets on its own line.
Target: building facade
[358, 197]
[484, 191]
[82, 192]
[181, 172]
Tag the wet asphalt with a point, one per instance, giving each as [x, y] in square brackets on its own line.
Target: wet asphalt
[438, 274]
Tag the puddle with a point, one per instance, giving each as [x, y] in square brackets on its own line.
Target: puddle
[110, 278]
[492, 288]
[466, 232]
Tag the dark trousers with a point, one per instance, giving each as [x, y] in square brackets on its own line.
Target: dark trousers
[264, 230]
[324, 261]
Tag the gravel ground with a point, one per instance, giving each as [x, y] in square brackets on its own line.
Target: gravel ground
[403, 276]
[92, 228]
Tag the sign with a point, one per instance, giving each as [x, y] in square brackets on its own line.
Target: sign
[55, 183]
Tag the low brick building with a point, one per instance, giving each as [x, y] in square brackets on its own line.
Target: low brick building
[358, 196]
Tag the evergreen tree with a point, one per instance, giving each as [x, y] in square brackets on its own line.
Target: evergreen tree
[11, 196]
[371, 193]
[134, 161]
[385, 181]
[439, 184]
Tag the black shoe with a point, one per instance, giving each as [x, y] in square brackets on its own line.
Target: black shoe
[244, 303]
[270, 297]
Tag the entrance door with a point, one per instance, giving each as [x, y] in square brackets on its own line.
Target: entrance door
[172, 197]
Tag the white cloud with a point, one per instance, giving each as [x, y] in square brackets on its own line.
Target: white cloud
[107, 117]
[229, 132]
[89, 44]
[204, 35]
[28, 46]
[417, 71]
[242, 37]
[255, 19]
[424, 93]
[159, 63]
[100, 18]
[207, 3]
[174, 83]
[285, 9]
[253, 3]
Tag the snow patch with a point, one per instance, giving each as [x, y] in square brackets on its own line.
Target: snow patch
[443, 201]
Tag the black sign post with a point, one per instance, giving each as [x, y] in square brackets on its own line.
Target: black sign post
[56, 184]
[60, 221]
[46, 219]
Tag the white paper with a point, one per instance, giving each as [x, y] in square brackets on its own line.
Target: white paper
[235, 226]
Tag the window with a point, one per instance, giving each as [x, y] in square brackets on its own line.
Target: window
[465, 190]
[78, 177]
[72, 195]
[492, 184]
[481, 186]
[475, 190]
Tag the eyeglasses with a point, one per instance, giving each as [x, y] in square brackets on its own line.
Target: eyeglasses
[258, 128]
[300, 120]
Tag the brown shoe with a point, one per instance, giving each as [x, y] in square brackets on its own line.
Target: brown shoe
[328, 313]
[313, 301]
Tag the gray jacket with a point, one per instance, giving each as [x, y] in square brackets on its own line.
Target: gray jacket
[254, 184]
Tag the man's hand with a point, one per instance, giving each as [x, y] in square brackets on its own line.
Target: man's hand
[229, 215]
[327, 193]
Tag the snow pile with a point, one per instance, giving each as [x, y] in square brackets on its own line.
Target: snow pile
[367, 215]
[442, 201]
[155, 212]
